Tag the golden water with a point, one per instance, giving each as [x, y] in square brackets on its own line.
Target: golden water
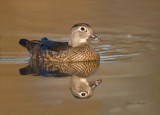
[129, 66]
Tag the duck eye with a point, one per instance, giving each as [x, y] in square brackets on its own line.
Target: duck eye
[83, 94]
[83, 29]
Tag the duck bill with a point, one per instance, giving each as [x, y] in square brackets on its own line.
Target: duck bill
[94, 84]
[94, 37]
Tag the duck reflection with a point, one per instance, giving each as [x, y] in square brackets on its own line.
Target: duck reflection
[79, 71]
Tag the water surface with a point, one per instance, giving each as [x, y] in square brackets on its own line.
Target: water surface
[129, 66]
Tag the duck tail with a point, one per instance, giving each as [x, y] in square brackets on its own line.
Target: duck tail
[29, 44]
[33, 47]
[24, 42]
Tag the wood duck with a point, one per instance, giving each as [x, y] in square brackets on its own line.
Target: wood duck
[77, 49]
[80, 87]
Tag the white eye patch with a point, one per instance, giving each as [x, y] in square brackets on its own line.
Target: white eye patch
[83, 29]
[83, 94]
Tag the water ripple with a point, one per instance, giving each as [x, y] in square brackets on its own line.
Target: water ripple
[122, 46]
[114, 47]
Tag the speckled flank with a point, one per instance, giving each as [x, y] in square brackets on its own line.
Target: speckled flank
[81, 69]
[82, 53]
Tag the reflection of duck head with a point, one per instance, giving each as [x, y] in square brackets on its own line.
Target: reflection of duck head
[81, 88]
[79, 71]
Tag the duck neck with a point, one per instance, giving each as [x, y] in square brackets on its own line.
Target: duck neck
[76, 41]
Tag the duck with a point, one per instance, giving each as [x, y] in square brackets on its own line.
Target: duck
[76, 49]
[79, 72]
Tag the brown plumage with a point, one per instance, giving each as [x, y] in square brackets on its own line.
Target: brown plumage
[80, 69]
[82, 53]
[80, 87]
[75, 50]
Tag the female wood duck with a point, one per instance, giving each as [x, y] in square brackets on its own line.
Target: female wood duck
[77, 49]
[80, 87]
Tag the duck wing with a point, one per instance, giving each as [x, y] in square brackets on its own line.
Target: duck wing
[53, 45]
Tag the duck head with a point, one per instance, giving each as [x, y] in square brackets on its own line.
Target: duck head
[80, 33]
[81, 88]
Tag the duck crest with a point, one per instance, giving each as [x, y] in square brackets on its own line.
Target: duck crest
[75, 50]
